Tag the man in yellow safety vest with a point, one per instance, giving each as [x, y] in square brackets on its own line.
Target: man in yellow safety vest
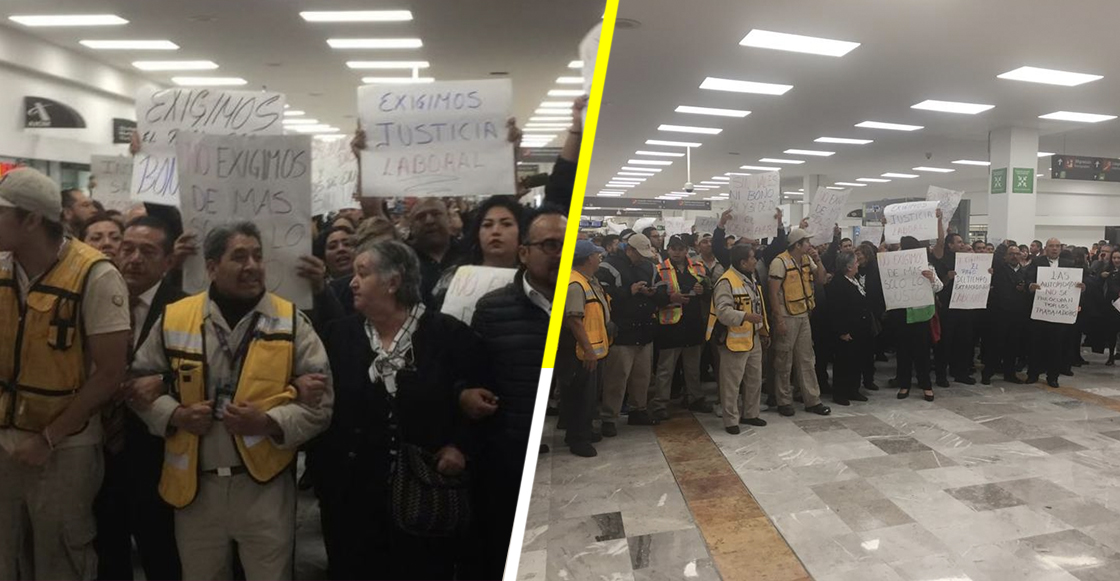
[680, 332]
[584, 342]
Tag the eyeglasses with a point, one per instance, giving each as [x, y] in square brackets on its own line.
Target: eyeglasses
[550, 245]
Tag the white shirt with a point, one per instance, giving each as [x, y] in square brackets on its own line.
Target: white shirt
[1053, 262]
[141, 310]
[535, 297]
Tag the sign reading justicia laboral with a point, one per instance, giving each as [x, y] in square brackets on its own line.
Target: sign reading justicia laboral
[43, 113]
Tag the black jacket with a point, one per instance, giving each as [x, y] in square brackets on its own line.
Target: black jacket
[942, 266]
[1031, 274]
[692, 327]
[1009, 291]
[849, 311]
[635, 315]
[513, 332]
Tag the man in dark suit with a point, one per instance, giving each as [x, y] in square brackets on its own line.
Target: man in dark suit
[1047, 338]
[129, 504]
[1009, 308]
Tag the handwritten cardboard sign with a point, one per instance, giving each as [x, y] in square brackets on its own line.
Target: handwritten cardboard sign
[947, 201]
[972, 281]
[1058, 297]
[113, 176]
[162, 114]
[872, 234]
[828, 205]
[917, 219]
[903, 283]
[437, 139]
[334, 176]
[262, 179]
[706, 224]
[469, 284]
[675, 226]
[754, 201]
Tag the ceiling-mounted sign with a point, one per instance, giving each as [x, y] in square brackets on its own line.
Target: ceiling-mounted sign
[41, 113]
[593, 211]
[123, 130]
[648, 203]
[1078, 167]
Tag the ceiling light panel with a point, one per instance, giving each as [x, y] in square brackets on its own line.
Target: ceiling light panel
[294, 113]
[634, 174]
[405, 65]
[1049, 76]
[797, 43]
[565, 93]
[569, 81]
[759, 167]
[649, 162]
[36, 20]
[208, 81]
[575, 65]
[646, 169]
[712, 111]
[690, 129]
[300, 121]
[397, 80]
[952, 107]
[851, 184]
[735, 86]
[888, 126]
[972, 162]
[933, 169]
[374, 43]
[873, 180]
[129, 44]
[843, 140]
[905, 176]
[1077, 117]
[357, 16]
[659, 153]
[671, 143]
[813, 152]
[175, 65]
[780, 160]
[1045, 154]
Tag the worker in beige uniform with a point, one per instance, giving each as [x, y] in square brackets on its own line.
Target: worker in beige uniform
[791, 300]
[737, 323]
[64, 327]
[248, 382]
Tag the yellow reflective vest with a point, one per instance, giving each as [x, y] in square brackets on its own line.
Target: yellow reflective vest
[42, 353]
[671, 313]
[797, 286]
[265, 382]
[594, 319]
[740, 338]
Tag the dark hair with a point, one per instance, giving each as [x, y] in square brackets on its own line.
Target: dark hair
[950, 236]
[113, 213]
[53, 228]
[1023, 248]
[395, 257]
[67, 199]
[610, 239]
[678, 240]
[739, 253]
[97, 204]
[473, 254]
[843, 240]
[1038, 242]
[218, 239]
[909, 243]
[625, 234]
[96, 218]
[531, 215]
[155, 223]
[319, 245]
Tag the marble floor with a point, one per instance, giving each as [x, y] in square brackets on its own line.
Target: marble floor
[987, 483]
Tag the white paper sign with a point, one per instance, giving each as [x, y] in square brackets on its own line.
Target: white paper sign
[1057, 298]
[917, 219]
[754, 201]
[437, 139]
[161, 114]
[825, 214]
[707, 224]
[334, 176]
[972, 281]
[588, 51]
[947, 201]
[643, 223]
[262, 179]
[903, 283]
[872, 234]
[615, 228]
[677, 226]
[113, 176]
[470, 284]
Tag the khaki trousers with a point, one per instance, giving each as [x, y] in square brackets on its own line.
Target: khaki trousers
[740, 376]
[627, 369]
[795, 348]
[666, 365]
[46, 515]
[261, 518]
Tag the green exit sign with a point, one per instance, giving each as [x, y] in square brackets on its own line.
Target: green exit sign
[999, 181]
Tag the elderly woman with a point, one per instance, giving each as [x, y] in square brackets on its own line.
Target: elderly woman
[491, 240]
[850, 315]
[103, 233]
[398, 369]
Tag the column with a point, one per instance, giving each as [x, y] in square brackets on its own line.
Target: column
[1012, 184]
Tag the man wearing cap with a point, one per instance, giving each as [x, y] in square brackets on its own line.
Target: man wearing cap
[584, 342]
[634, 305]
[63, 354]
[680, 331]
[792, 274]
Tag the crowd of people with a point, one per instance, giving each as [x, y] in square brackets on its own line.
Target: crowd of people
[135, 419]
[793, 320]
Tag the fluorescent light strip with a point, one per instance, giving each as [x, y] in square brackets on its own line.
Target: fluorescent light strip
[933, 169]
[557, 104]
[653, 169]
[873, 180]
[780, 160]
[721, 178]
[388, 64]
[1045, 154]
[569, 81]
[888, 126]
[759, 168]
[658, 153]
[129, 44]
[618, 185]
[712, 111]
[690, 129]
[905, 176]
[293, 113]
[634, 180]
[565, 93]
[374, 43]
[548, 125]
[398, 81]
[972, 162]
[175, 65]
[649, 162]
[1049, 76]
[548, 111]
[952, 107]
[357, 16]
[732, 85]
[735, 173]
[556, 118]
[69, 20]
[635, 174]
[575, 65]
[608, 195]
[843, 140]
[1077, 117]
[709, 183]
[793, 194]
[671, 143]
[814, 152]
[300, 121]
[208, 81]
[314, 129]
[834, 188]
[797, 43]
[851, 184]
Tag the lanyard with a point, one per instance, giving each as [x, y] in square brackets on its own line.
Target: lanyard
[235, 357]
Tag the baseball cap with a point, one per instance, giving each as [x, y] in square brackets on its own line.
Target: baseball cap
[585, 248]
[797, 235]
[642, 245]
[29, 189]
[676, 240]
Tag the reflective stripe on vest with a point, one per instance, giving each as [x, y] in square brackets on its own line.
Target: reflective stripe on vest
[741, 337]
[594, 319]
[797, 286]
[671, 313]
[265, 379]
[42, 354]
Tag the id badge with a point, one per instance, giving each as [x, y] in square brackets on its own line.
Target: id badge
[222, 398]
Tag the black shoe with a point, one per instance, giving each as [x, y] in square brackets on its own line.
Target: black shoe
[608, 430]
[840, 400]
[986, 379]
[1077, 363]
[583, 449]
[965, 380]
[759, 422]
[733, 430]
[700, 406]
[1031, 379]
[870, 387]
[641, 418]
[1111, 361]
[1012, 379]
[820, 409]
[892, 383]
[858, 397]
[904, 393]
[826, 388]
[1067, 372]
[660, 415]
[785, 410]
[1052, 383]
[928, 394]
[544, 448]
[943, 382]
[771, 401]
[596, 437]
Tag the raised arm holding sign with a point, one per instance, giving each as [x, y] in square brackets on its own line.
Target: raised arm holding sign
[947, 202]
[753, 199]
[828, 205]
[917, 219]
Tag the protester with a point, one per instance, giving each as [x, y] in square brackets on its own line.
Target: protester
[913, 333]
[850, 315]
[491, 241]
[103, 233]
[738, 325]
[1008, 309]
[77, 209]
[1110, 276]
[954, 352]
[335, 247]
[1048, 352]
[584, 341]
[680, 330]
